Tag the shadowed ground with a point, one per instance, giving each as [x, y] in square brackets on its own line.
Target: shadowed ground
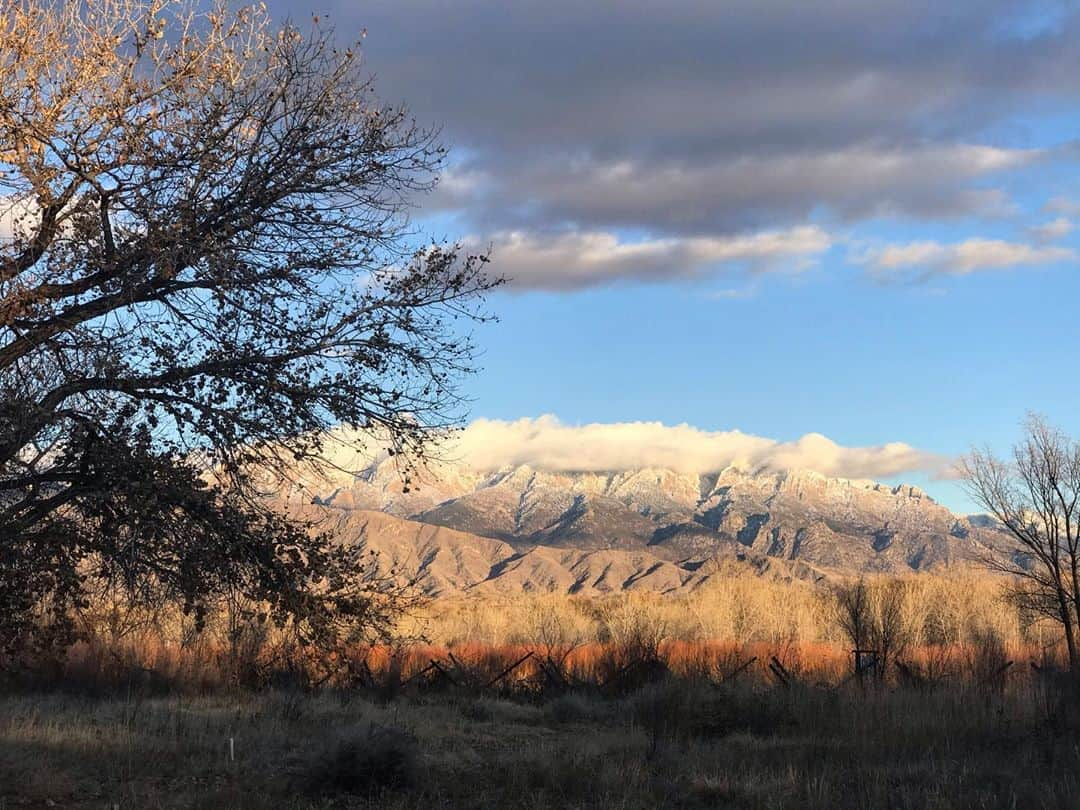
[673, 744]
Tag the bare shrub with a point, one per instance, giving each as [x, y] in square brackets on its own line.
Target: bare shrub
[661, 710]
[633, 632]
[365, 762]
[987, 659]
[634, 629]
[929, 665]
[732, 709]
[556, 630]
[575, 707]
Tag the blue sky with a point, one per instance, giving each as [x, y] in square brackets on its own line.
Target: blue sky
[847, 218]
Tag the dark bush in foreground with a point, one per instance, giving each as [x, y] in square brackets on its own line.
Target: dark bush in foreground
[364, 761]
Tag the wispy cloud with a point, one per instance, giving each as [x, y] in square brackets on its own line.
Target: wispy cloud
[1066, 206]
[1054, 230]
[575, 260]
[929, 258]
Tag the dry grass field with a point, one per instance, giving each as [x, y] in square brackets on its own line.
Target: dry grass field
[674, 743]
[741, 696]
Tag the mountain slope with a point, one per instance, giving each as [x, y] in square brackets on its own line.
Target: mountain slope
[521, 528]
[447, 562]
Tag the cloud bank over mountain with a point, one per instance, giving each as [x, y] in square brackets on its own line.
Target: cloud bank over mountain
[545, 443]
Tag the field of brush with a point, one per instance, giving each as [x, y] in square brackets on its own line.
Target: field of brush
[742, 696]
[671, 743]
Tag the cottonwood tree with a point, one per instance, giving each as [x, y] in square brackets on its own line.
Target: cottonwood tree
[1035, 496]
[873, 618]
[206, 262]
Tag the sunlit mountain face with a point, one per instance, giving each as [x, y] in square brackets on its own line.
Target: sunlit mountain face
[459, 528]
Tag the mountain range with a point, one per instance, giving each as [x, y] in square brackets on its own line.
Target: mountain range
[460, 530]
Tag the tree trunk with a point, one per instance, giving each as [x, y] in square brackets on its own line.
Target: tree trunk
[1074, 565]
[1067, 623]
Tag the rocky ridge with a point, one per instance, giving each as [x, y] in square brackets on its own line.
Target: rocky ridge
[519, 528]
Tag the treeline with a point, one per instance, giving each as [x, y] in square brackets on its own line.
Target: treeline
[953, 610]
[926, 627]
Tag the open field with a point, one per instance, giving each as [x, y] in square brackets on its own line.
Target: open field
[675, 743]
[742, 696]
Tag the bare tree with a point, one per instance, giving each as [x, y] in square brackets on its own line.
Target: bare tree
[873, 619]
[893, 629]
[1036, 498]
[206, 262]
[851, 602]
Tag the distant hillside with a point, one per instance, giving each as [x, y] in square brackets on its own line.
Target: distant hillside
[518, 528]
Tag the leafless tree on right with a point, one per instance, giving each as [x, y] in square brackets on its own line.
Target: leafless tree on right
[1035, 497]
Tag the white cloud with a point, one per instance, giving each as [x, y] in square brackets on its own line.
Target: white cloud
[16, 211]
[1054, 230]
[585, 259]
[960, 258]
[1066, 206]
[546, 444]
